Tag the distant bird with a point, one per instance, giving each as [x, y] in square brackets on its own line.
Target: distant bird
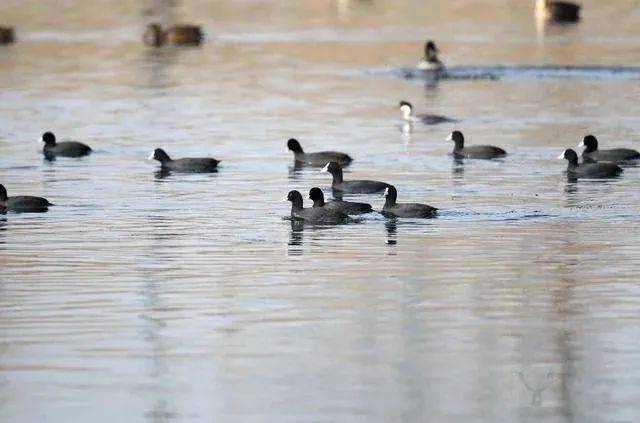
[22, 203]
[176, 35]
[430, 61]
[318, 215]
[394, 209]
[7, 35]
[53, 149]
[588, 170]
[558, 11]
[616, 155]
[475, 151]
[317, 159]
[346, 207]
[194, 165]
[407, 114]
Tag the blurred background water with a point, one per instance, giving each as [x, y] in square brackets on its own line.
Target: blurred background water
[190, 298]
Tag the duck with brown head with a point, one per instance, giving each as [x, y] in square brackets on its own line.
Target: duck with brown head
[176, 35]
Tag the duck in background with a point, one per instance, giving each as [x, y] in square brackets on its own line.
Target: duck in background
[558, 11]
[180, 35]
[7, 35]
[430, 61]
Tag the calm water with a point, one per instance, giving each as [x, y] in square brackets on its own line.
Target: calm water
[190, 298]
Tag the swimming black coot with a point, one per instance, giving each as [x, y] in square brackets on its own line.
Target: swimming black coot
[317, 159]
[588, 170]
[196, 165]
[346, 207]
[615, 155]
[392, 208]
[352, 187]
[313, 215]
[475, 151]
[22, 203]
[53, 149]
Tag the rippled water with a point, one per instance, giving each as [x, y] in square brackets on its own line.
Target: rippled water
[192, 298]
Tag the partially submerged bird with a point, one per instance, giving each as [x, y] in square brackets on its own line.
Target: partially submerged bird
[7, 35]
[175, 35]
[195, 165]
[319, 215]
[588, 170]
[319, 158]
[558, 11]
[22, 203]
[616, 155]
[346, 207]
[394, 209]
[475, 151]
[407, 114]
[352, 187]
[53, 149]
[430, 61]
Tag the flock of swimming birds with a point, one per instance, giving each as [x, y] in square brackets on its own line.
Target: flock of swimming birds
[596, 163]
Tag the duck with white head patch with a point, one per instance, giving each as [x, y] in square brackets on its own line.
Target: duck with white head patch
[407, 114]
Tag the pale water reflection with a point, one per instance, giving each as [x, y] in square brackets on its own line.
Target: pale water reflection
[191, 297]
